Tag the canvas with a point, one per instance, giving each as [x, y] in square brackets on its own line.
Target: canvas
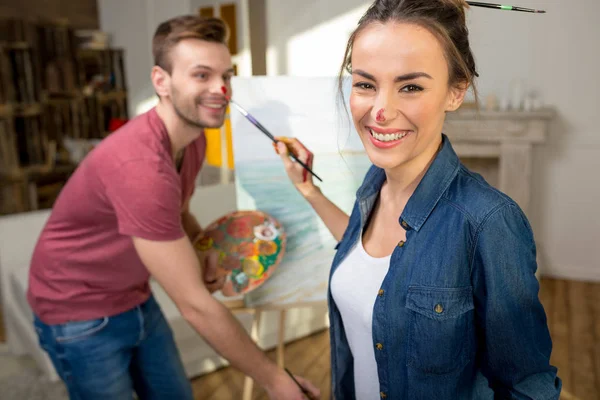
[305, 108]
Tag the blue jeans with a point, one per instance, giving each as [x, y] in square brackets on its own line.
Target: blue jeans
[113, 357]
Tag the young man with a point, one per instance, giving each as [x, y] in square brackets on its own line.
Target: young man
[123, 217]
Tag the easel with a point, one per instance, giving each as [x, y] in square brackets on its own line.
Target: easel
[239, 306]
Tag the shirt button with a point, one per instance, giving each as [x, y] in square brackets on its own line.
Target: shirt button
[401, 243]
[379, 346]
[404, 224]
[383, 395]
[381, 292]
[439, 309]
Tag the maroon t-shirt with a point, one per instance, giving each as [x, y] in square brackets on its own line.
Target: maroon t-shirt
[84, 265]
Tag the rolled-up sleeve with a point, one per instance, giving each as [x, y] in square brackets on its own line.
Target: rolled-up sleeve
[511, 321]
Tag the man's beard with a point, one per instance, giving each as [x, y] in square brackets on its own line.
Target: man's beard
[189, 115]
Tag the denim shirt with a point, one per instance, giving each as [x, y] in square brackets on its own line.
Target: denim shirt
[458, 314]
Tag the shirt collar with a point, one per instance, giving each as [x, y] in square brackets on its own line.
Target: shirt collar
[435, 182]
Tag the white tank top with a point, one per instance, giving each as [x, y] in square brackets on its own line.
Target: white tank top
[354, 287]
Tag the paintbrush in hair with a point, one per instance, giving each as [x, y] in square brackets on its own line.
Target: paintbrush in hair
[264, 130]
[502, 7]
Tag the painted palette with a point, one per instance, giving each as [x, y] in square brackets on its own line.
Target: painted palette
[251, 245]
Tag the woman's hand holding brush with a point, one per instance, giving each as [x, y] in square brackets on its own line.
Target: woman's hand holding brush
[334, 218]
[297, 174]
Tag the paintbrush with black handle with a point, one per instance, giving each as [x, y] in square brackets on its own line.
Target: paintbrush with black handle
[265, 131]
[502, 7]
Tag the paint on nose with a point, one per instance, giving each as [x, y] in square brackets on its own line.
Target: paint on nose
[224, 90]
[380, 117]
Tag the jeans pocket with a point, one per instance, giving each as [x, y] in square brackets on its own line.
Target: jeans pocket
[440, 328]
[76, 330]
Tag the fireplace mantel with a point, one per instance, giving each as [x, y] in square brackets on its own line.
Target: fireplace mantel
[506, 138]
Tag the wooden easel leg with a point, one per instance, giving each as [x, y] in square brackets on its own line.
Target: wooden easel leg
[248, 382]
[281, 341]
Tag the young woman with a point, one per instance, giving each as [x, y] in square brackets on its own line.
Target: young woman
[432, 290]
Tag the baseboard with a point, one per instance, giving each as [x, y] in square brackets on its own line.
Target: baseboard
[549, 269]
[572, 273]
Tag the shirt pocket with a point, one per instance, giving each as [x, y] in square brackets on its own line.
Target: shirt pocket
[78, 330]
[440, 328]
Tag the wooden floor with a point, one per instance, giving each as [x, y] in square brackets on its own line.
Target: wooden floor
[308, 357]
[573, 310]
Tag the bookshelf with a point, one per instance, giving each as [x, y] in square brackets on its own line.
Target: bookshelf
[52, 88]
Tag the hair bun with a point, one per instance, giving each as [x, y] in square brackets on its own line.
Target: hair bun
[460, 6]
[456, 3]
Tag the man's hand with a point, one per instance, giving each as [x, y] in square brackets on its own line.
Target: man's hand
[212, 275]
[209, 264]
[284, 388]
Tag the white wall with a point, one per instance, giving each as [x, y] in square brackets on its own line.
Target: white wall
[556, 53]
[308, 38]
[131, 25]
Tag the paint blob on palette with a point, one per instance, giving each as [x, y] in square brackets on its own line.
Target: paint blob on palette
[251, 245]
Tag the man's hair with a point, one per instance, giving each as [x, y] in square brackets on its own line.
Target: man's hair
[174, 30]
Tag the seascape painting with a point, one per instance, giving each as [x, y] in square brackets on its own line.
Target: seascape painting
[304, 108]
